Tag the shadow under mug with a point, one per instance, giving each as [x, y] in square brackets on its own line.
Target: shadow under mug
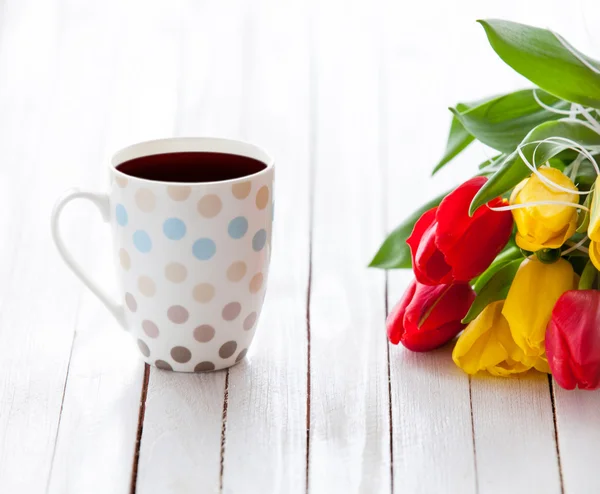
[192, 259]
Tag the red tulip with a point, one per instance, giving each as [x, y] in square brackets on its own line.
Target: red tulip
[428, 316]
[448, 245]
[573, 340]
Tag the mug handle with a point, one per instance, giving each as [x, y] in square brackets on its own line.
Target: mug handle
[102, 203]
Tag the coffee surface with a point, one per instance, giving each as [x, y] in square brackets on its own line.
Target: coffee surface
[191, 167]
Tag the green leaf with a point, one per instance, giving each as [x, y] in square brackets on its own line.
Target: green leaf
[394, 253]
[538, 55]
[587, 277]
[513, 169]
[504, 121]
[492, 161]
[495, 289]
[458, 140]
[506, 256]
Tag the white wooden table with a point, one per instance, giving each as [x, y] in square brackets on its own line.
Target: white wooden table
[350, 96]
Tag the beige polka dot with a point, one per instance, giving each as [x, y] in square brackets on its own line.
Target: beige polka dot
[250, 321]
[175, 272]
[161, 364]
[146, 286]
[145, 200]
[241, 190]
[181, 354]
[203, 293]
[143, 348]
[241, 355]
[131, 302]
[256, 283]
[236, 271]
[231, 311]
[262, 197]
[204, 333]
[204, 366]
[150, 328]
[124, 259]
[121, 181]
[179, 192]
[227, 349]
[177, 314]
[210, 206]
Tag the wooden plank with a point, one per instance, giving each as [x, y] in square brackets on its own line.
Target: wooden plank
[38, 299]
[265, 443]
[349, 409]
[97, 436]
[578, 427]
[432, 440]
[181, 446]
[512, 419]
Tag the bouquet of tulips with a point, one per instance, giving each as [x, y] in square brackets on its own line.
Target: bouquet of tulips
[511, 257]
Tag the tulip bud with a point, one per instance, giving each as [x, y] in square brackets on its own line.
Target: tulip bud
[531, 297]
[544, 226]
[573, 340]
[594, 226]
[449, 245]
[487, 345]
[429, 316]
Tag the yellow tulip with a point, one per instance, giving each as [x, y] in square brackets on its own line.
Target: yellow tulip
[530, 301]
[546, 226]
[487, 345]
[595, 253]
[594, 227]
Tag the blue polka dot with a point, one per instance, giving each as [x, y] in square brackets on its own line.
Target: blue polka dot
[121, 214]
[238, 227]
[142, 241]
[174, 228]
[258, 242]
[204, 249]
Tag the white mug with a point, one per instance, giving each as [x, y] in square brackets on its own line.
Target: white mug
[192, 259]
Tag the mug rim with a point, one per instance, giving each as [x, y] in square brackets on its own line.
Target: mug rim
[170, 145]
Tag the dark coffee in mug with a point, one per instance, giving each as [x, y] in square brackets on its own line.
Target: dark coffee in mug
[191, 167]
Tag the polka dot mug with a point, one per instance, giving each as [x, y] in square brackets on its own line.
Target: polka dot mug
[192, 258]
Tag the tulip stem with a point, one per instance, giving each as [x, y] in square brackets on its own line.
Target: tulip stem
[588, 277]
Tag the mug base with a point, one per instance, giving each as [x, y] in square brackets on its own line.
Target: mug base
[201, 368]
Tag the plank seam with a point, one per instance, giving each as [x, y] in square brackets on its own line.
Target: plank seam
[384, 163]
[224, 431]
[473, 436]
[312, 145]
[555, 425]
[140, 429]
[62, 400]
[389, 375]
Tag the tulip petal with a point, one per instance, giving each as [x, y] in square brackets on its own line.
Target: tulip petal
[594, 226]
[573, 340]
[531, 298]
[428, 262]
[470, 244]
[487, 345]
[545, 226]
[395, 319]
[595, 253]
[482, 241]
[433, 315]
